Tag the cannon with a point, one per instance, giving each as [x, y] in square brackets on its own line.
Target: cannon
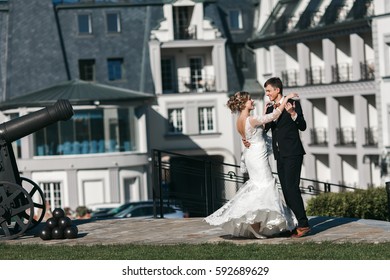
[22, 208]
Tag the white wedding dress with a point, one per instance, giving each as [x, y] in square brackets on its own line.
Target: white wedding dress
[258, 200]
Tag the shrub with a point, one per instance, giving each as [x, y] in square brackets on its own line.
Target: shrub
[364, 204]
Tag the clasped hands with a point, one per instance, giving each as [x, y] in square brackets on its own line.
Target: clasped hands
[289, 107]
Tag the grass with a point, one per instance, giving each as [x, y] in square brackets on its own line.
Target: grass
[225, 251]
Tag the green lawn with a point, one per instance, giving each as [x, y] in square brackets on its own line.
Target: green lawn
[228, 251]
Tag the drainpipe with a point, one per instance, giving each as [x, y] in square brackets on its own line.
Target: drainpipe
[388, 200]
[61, 42]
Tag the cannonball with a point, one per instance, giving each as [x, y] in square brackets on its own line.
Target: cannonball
[58, 213]
[57, 233]
[64, 222]
[45, 233]
[71, 232]
[51, 222]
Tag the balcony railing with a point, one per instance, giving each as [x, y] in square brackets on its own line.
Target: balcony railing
[188, 33]
[309, 19]
[367, 70]
[290, 78]
[281, 24]
[341, 72]
[196, 84]
[362, 9]
[319, 136]
[314, 75]
[332, 12]
[346, 136]
[371, 136]
[342, 13]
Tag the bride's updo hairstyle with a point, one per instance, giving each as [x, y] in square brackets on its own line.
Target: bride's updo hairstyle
[236, 102]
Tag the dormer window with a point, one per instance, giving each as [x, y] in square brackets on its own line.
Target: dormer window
[235, 19]
[84, 24]
[113, 23]
[181, 22]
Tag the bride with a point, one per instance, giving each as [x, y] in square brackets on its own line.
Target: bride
[257, 210]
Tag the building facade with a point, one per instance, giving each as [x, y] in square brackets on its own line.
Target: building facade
[327, 52]
[101, 154]
[191, 55]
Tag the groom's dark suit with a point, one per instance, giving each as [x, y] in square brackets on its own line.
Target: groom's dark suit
[288, 151]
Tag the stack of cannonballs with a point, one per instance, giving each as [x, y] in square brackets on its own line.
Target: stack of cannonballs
[58, 227]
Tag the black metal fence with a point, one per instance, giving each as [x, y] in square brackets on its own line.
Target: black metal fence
[201, 186]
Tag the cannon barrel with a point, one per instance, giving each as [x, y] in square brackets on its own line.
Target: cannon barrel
[19, 127]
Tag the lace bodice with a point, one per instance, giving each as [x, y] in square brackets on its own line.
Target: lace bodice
[254, 133]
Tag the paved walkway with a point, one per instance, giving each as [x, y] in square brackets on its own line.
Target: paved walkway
[195, 231]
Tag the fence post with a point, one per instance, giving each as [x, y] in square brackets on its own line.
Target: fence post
[208, 187]
[157, 180]
[327, 187]
[388, 199]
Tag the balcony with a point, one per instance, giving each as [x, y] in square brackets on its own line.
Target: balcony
[309, 19]
[371, 136]
[367, 70]
[191, 85]
[346, 136]
[290, 78]
[291, 23]
[318, 136]
[341, 72]
[283, 23]
[332, 13]
[362, 8]
[188, 33]
[314, 75]
[197, 84]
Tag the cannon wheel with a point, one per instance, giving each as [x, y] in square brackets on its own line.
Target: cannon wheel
[38, 198]
[14, 200]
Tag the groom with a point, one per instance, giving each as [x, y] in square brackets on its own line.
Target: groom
[288, 150]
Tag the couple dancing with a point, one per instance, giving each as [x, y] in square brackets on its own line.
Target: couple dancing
[257, 210]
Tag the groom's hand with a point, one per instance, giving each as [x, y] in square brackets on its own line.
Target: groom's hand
[290, 108]
[246, 143]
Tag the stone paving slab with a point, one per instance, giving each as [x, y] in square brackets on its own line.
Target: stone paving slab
[196, 231]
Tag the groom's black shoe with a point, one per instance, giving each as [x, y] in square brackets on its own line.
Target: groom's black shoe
[300, 232]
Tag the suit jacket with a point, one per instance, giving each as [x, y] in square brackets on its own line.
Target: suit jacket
[286, 140]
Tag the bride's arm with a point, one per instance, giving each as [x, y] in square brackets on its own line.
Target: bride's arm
[260, 120]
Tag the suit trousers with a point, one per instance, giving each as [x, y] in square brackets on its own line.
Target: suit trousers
[289, 172]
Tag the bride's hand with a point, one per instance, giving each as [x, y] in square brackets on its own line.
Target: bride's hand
[292, 95]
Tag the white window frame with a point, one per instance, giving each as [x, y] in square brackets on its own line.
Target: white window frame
[386, 40]
[175, 120]
[197, 81]
[205, 116]
[55, 196]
